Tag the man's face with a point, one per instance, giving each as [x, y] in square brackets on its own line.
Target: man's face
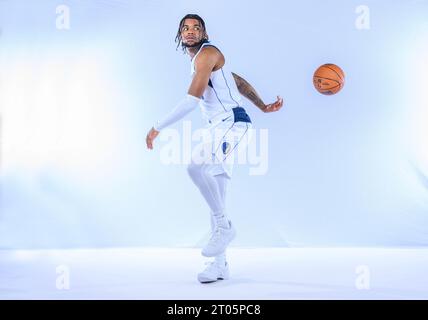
[192, 33]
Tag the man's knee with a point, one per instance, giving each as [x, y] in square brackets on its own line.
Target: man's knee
[194, 170]
[199, 170]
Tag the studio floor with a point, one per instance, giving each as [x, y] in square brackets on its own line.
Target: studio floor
[256, 273]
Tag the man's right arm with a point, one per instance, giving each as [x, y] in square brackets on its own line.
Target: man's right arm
[250, 93]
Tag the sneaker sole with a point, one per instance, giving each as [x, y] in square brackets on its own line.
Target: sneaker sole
[206, 280]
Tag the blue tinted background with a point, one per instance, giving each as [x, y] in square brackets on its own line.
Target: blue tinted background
[344, 170]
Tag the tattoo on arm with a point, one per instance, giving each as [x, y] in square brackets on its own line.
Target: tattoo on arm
[248, 91]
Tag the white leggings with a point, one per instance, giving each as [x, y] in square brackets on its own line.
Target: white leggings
[211, 176]
[212, 187]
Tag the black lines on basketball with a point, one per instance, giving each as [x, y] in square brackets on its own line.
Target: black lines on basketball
[326, 74]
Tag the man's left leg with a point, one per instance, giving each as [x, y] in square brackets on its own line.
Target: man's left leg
[222, 182]
[205, 179]
[219, 268]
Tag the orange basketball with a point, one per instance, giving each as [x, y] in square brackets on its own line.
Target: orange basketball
[329, 79]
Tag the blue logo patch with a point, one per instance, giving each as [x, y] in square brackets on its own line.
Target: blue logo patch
[226, 147]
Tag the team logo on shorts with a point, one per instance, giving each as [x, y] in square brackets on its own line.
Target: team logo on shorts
[226, 147]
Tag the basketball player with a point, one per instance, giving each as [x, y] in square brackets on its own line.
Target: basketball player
[217, 91]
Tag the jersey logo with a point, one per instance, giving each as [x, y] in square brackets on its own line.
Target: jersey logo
[226, 147]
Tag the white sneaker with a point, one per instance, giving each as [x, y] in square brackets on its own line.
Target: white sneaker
[215, 271]
[219, 241]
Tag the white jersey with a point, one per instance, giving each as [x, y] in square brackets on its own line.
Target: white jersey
[221, 94]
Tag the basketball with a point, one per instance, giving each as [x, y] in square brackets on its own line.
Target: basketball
[329, 79]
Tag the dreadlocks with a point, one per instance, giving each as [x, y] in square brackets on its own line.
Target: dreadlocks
[178, 38]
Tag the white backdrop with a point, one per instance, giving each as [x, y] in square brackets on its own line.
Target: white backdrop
[81, 82]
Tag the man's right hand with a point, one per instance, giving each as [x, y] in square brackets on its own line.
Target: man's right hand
[274, 106]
